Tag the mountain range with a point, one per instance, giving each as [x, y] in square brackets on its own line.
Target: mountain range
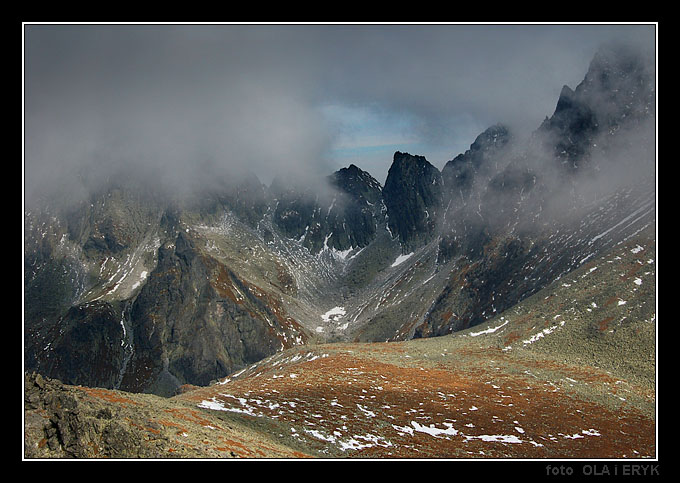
[144, 292]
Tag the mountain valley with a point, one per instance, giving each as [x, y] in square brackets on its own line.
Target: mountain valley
[444, 314]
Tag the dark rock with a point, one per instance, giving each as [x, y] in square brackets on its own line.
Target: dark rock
[61, 422]
[459, 174]
[356, 210]
[617, 89]
[195, 321]
[342, 212]
[413, 198]
[84, 346]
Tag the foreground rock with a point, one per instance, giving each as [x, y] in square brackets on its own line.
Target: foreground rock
[63, 421]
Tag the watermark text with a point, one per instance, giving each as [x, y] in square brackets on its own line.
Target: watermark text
[603, 469]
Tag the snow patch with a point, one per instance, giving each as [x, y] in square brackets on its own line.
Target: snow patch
[401, 259]
[212, 404]
[341, 254]
[503, 438]
[488, 331]
[334, 314]
[542, 334]
[142, 277]
[434, 431]
[367, 412]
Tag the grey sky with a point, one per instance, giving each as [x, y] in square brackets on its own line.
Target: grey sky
[173, 99]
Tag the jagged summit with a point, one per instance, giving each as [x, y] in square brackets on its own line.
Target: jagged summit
[357, 182]
[352, 168]
[459, 173]
[413, 197]
[617, 90]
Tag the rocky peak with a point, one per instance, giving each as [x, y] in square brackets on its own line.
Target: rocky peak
[494, 137]
[357, 183]
[355, 210]
[619, 85]
[618, 89]
[413, 198]
[458, 174]
[338, 212]
[566, 99]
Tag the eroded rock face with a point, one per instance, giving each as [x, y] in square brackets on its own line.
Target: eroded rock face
[343, 212]
[90, 318]
[618, 89]
[195, 320]
[460, 174]
[357, 209]
[59, 423]
[84, 346]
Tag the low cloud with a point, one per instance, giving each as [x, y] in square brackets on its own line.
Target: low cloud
[177, 105]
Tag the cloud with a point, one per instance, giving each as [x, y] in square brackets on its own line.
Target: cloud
[181, 103]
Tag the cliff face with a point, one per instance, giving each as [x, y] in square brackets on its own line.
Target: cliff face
[618, 90]
[120, 295]
[195, 320]
[85, 345]
[357, 211]
[459, 174]
[413, 197]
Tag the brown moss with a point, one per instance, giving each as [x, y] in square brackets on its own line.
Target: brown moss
[108, 395]
[191, 416]
[610, 301]
[603, 325]
[511, 338]
[360, 384]
[171, 424]
[636, 268]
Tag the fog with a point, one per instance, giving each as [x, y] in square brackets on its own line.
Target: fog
[176, 107]
[600, 139]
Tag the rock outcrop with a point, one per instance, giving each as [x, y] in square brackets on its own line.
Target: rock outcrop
[195, 320]
[413, 197]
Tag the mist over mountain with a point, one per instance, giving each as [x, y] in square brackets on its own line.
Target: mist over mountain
[109, 100]
[145, 291]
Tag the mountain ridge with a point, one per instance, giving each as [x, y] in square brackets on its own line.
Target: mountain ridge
[125, 282]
